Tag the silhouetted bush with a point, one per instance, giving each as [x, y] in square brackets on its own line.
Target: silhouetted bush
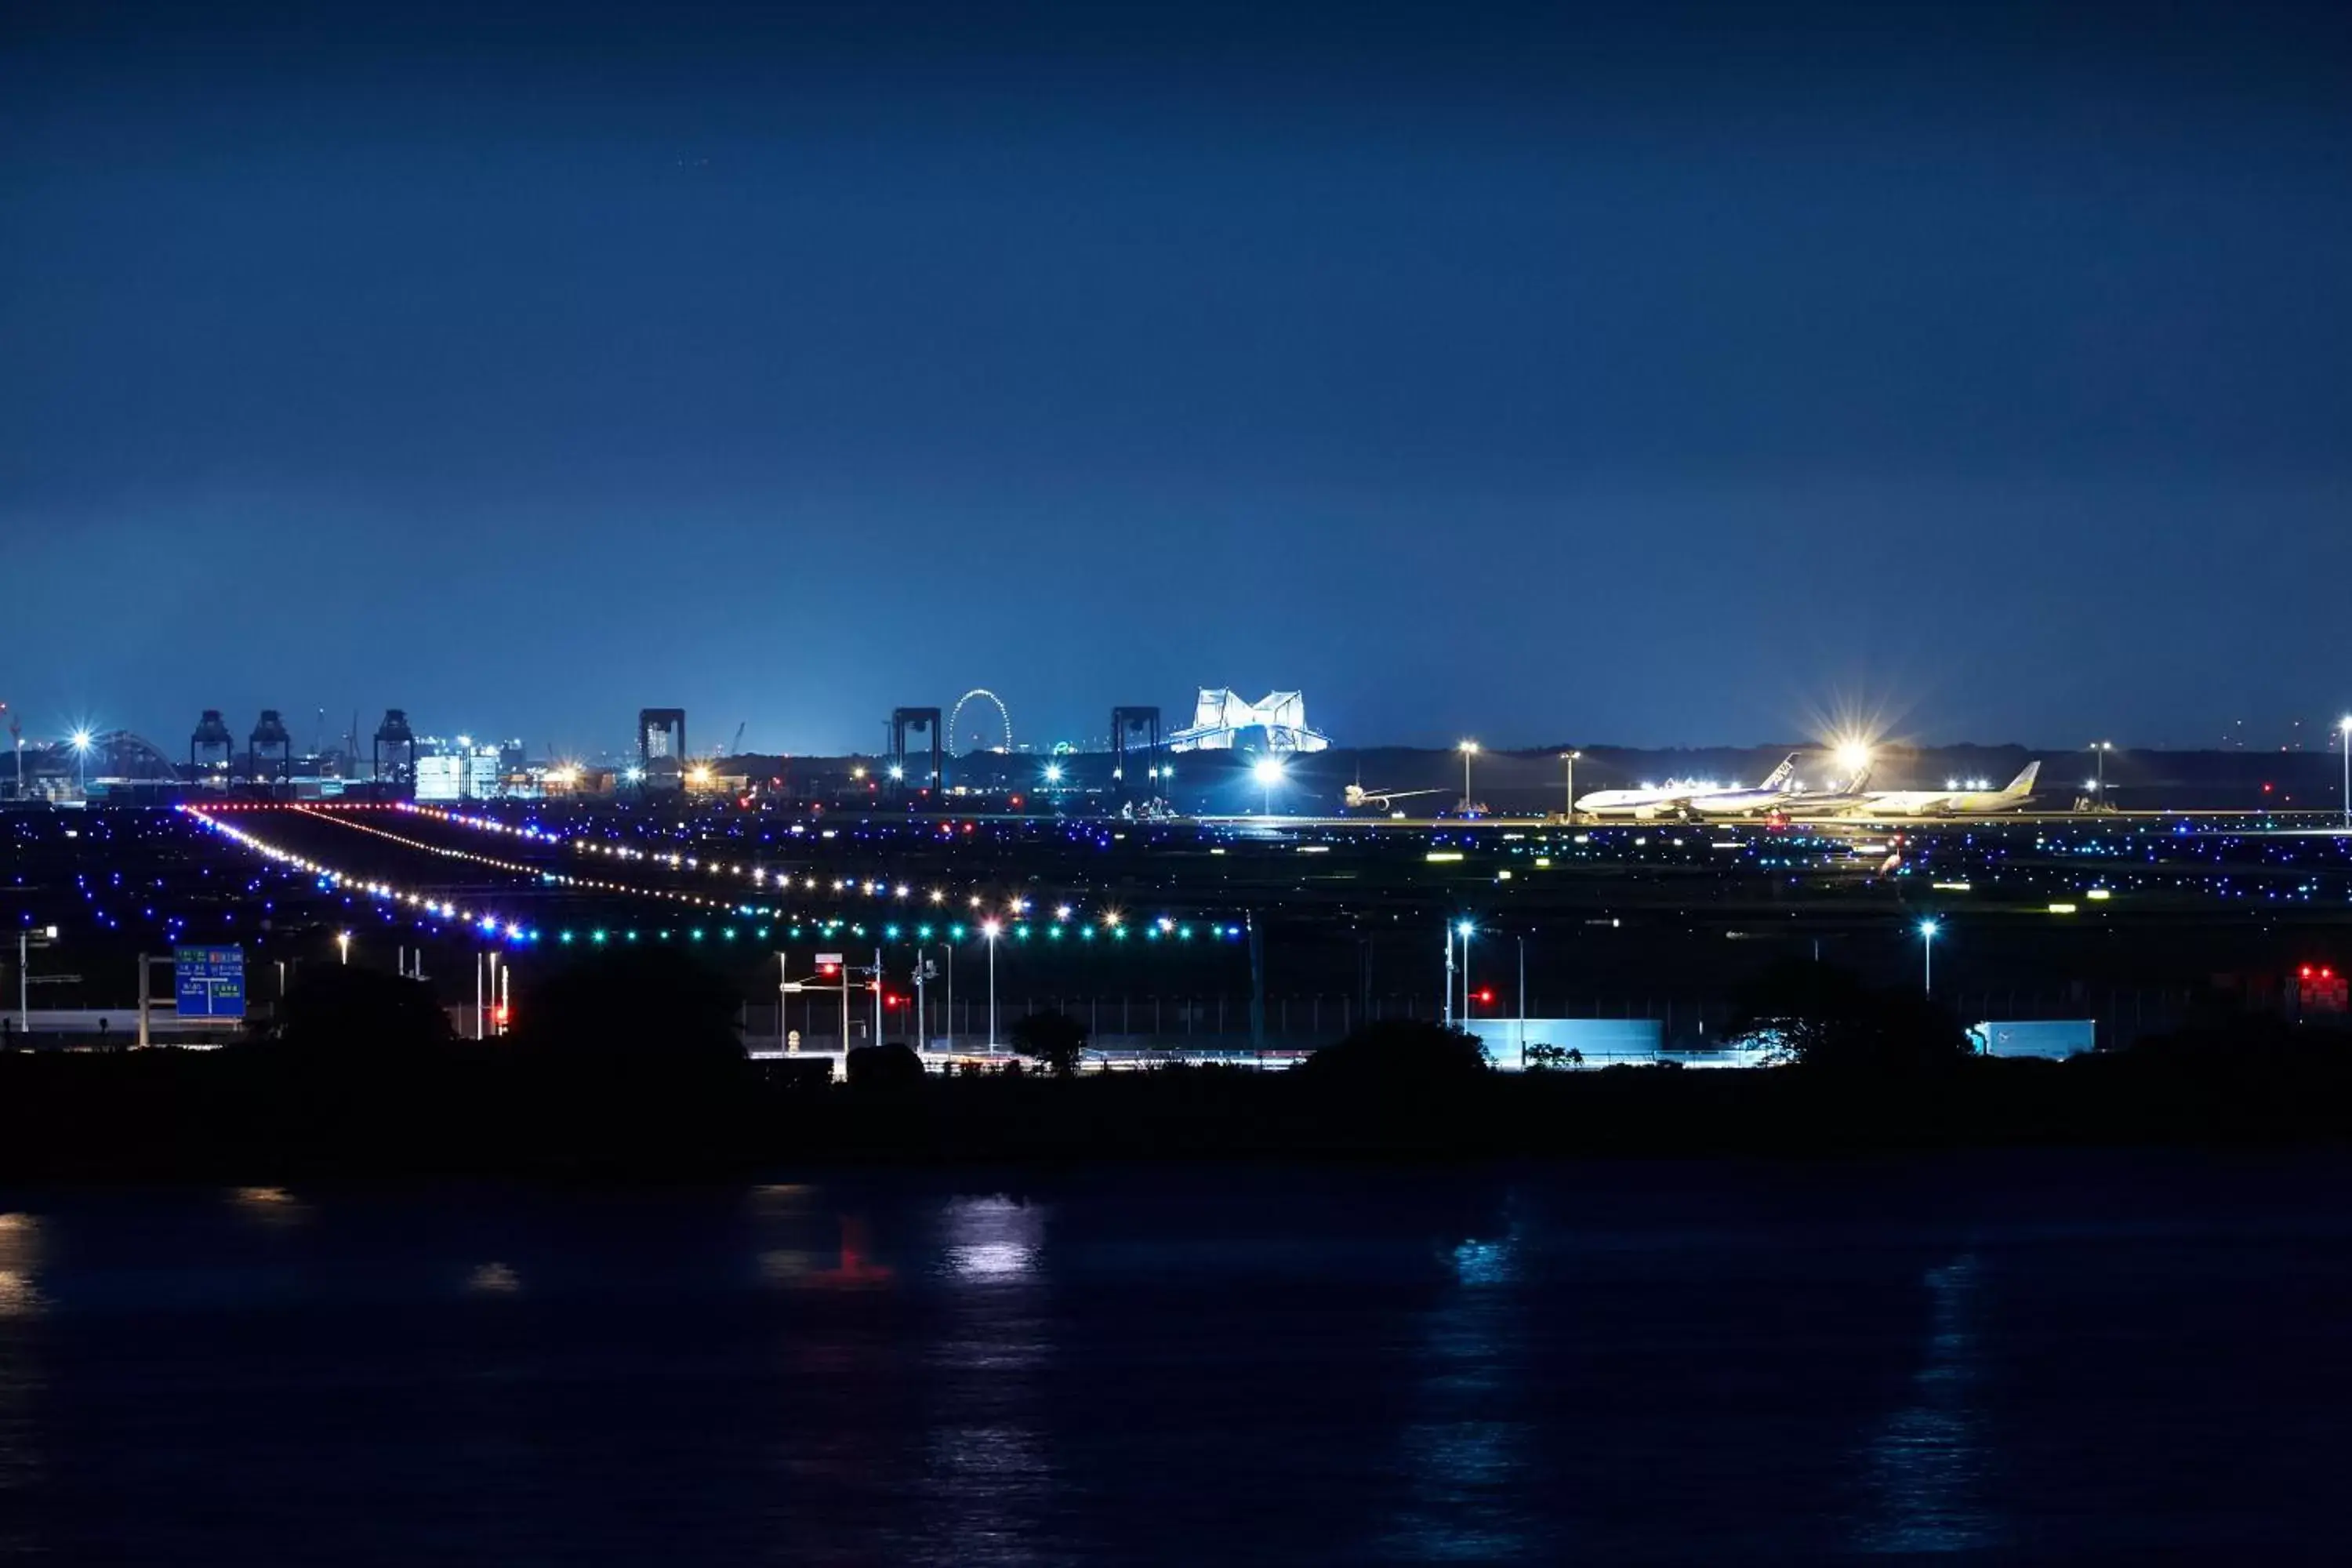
[1818, 1015]
[889, 1066]
[1400, 1052]
[1055, 1041]
[640, 1008]
[356, 1011]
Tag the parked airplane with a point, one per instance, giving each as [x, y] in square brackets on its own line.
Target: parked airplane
[1951, 803]
[1788, 802]
[1675, 799]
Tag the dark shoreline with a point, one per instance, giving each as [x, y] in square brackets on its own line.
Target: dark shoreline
[164, 1116]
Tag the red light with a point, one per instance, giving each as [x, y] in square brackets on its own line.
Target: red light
[2306, 971]
[2266, 789]
[1485, 996]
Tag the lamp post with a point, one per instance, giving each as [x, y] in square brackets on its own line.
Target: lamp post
[81, 739]
[1465, 928]
[2099, 749]
[1269, 773]
[1523, 1003]
[1468, 749]
[989, 929]
[1568, 764]
[343, 945]
[1446, 1004]
[2344, 742]
[1927, 930]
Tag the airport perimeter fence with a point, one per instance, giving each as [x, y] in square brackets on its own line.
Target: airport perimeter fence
[1687, 1022]
[1201, 1023]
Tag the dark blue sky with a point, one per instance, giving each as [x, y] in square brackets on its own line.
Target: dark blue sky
[1637, 373]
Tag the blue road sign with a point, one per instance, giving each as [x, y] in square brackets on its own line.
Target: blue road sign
[210, 981]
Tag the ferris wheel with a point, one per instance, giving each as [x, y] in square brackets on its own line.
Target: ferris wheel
[1003, 720]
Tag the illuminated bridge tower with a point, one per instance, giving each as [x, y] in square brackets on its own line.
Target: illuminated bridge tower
[661, 747]
[211, 749]
[395, 734]
[1128, 726]
[272, 732]
[927, 720]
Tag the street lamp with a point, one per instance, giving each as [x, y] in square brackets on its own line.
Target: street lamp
[2344, 732]
[989, 928]
[1464, 928]
[81, 739]
[1568, 762]
[1927, 930]
[343, 944]
[1468, 749]
[1269, 773]
[2099, 749]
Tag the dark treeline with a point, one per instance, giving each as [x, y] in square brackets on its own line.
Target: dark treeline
[631, 1066]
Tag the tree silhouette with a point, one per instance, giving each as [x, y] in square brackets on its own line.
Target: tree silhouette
[355, 1010]
[1401, 1053]
[649, 1007]
[1818, 1015]
[1054, 1039]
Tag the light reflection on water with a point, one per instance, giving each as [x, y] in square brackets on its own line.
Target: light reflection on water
[1181, 1367]
[20, 1253]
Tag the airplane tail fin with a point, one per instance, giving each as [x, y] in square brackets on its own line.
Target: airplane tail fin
[2022, 785]
[1778, 777]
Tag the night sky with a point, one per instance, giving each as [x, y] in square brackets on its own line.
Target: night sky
[1635, 374]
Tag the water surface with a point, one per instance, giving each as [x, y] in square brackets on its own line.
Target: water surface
[2006, 1357]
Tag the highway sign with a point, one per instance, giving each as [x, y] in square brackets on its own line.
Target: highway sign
[210, 982]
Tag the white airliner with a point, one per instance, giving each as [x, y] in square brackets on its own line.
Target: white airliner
[1951, 803]
[1673, 799]
[1785, 801]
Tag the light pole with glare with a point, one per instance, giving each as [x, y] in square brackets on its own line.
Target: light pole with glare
[1465, 928]
[2343, 740]
[1468, 749]
[1927, 930]
[343, 944]
[1269, 773]
[2099, 749]
[989, 929]
[81, 758]
[1567, 763]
